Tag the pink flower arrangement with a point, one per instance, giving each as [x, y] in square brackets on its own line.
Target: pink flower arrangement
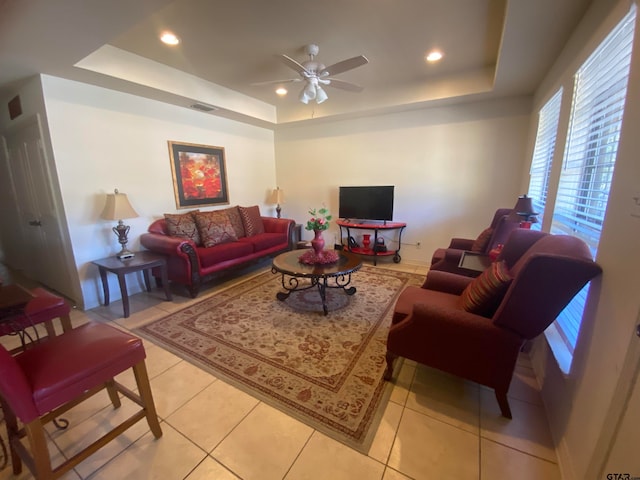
[319, 220]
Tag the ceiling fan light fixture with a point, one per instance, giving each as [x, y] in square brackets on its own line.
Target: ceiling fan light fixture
[304, 98]
[321, 95]
[310, 91]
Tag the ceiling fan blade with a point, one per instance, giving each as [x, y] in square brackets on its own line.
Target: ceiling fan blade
[343, 66]
[291, 63]
[352, 87]
[273, 82]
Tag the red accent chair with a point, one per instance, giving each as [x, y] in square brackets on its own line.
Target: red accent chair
[431, 326]
[44, 381]
[448, 259]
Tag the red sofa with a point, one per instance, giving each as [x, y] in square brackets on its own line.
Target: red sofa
[192, 264]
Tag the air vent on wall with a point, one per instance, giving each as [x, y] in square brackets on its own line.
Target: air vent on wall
[203, 107]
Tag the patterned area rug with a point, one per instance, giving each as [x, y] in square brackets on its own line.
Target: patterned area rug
[324, 370]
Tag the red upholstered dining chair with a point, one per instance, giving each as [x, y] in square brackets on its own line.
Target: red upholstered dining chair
[502, 224]
[42, 309]
[47, 379]
[474, 328]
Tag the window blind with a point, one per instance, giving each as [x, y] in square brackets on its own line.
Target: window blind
[543, 155]
[590, 152]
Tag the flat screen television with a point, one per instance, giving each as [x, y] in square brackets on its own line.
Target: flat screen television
[366, 203]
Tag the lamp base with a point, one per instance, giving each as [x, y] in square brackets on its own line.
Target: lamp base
[125, 254]
[121, 231]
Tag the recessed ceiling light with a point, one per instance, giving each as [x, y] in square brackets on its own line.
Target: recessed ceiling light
[281, 91]
[169, 38]
[433, 56]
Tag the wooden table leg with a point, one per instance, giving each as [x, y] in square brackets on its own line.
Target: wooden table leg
[147, 283]
[123, 292]
[165, 281]
[105, 285]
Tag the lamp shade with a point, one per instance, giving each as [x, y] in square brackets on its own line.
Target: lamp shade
[524, 207]
[523, 210]
[278, 196]
[118, 207]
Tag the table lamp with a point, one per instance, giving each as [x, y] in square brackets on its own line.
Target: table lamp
[117, 208]
[278, 198]
[524, 209]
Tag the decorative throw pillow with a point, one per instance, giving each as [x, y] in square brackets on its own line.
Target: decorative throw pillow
[482, 242]
[484, 293]
[236, 221]
[251, 220]
[183, 225]
[215, 228]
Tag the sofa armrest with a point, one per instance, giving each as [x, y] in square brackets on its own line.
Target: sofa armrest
[461, 243]
[428, 319]
[165, 244]
[277, 225]
[446, 282]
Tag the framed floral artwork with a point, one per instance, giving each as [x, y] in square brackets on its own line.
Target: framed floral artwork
[199, 175]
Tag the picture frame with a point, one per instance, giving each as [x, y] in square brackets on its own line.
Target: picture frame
[199, 174]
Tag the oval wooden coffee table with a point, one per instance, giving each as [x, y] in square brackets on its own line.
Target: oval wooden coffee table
[333, 275]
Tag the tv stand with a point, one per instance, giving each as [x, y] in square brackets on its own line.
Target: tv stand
[376, 227]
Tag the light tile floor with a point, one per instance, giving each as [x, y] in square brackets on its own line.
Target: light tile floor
[434, 426]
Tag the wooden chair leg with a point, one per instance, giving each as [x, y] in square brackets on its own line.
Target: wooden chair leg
[39, 449]
[144, 389]
[11, 422]
[65, 320]
[501, 397]
[113, 394]
[390, 357]
[48, 326]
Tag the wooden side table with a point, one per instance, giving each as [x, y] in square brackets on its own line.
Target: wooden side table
[475, 261]
[142, 261]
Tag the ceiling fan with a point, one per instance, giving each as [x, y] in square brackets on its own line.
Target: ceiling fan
[315, 74]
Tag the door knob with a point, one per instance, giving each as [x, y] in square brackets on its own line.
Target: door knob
[638, 330]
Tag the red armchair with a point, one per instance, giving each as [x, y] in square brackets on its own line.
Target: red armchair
[431, 325]
[447, 259]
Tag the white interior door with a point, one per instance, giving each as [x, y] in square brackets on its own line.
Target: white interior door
[42, 255]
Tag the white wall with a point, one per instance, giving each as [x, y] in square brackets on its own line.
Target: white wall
[104, 139]
[577, 404]
[452, 167]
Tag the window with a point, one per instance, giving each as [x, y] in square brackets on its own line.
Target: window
[543, 155]
[590, 153]
[600, 87]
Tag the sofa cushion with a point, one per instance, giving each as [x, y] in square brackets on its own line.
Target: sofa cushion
[413, 295]
[264, 241]
[483, 295]
[183, 225]
[223, 252]
[236, 220]
[251, 220]
[215, 228]
[482, 242]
